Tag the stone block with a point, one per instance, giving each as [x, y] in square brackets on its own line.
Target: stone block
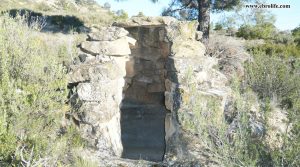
[107, 34]
[156, 87]
[169, 100]
[119, 47]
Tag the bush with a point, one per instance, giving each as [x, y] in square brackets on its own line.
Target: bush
[296, 34]
[273, 75]
[33, 91]
[260, 31]
[218, 26]
[227, 144]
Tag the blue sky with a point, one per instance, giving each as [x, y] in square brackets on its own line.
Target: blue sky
[286, 18]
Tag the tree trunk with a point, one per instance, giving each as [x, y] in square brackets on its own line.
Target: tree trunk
[204, 19]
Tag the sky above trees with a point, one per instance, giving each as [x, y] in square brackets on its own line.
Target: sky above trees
[286, 18]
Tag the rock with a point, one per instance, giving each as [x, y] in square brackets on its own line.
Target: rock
[94, 113]
[94, 72]
[87, 92]
[107, 34]
[103, 58]
[118, 47]
[188, 48]
[130, 71]
[146, 21]
[278, 126]
[156, 87]
[143, 79]
[199, 35]
[131, 41]
[170, 126]
[170, 86]
[169, 100]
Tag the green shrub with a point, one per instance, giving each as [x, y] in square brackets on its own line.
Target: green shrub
[121, 15]
[296, 34]
[272, 75]
[260, 31]
[218, 26]
[201, 115]
[33, 91]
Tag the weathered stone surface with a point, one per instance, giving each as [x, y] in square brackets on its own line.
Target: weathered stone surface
[156, 87]
[146, 21]
[130, 71]
[169, 101]
[107, 34]
[199, 35]
[170, 126]
[94, 72]
[188, 48]
[278, 127]
[94, 113]
[118, 47]
[98, 79]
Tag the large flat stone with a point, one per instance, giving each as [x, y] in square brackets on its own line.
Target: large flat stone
[94, 72]
[119, 47]
[108, 34]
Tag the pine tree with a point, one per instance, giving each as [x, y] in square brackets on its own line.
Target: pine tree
[199, 10]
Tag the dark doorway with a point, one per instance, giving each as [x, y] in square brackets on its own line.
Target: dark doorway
[143, 110]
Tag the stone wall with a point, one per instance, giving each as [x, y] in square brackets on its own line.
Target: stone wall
[183, 60]
[154, 70]
[96, 84]
[145, 71]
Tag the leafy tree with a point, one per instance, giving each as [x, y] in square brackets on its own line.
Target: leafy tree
[199, 10]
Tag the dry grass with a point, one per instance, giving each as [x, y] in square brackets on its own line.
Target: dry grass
[89, 13]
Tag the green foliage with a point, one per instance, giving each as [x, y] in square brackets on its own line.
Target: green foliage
[274, 74]
[33, 91]
[261, 31]
[270, 76]
[218, 26]
[296, 35]
[188, 10]
[121, 15]
[258, 24]
[277, 50]
[201, 114]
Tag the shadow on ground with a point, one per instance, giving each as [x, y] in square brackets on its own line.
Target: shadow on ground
[50, 23]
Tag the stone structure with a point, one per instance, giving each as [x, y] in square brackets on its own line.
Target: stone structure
[167, 53]
[96, 85]
[127, 90]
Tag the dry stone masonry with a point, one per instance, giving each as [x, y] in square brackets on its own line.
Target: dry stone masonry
[97, 83]
[127, 90]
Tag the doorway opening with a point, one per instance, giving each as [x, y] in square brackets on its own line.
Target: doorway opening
[143, 108]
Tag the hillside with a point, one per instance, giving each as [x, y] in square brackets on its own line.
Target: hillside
[87, 11]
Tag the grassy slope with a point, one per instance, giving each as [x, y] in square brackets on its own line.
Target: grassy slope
[86, 10]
